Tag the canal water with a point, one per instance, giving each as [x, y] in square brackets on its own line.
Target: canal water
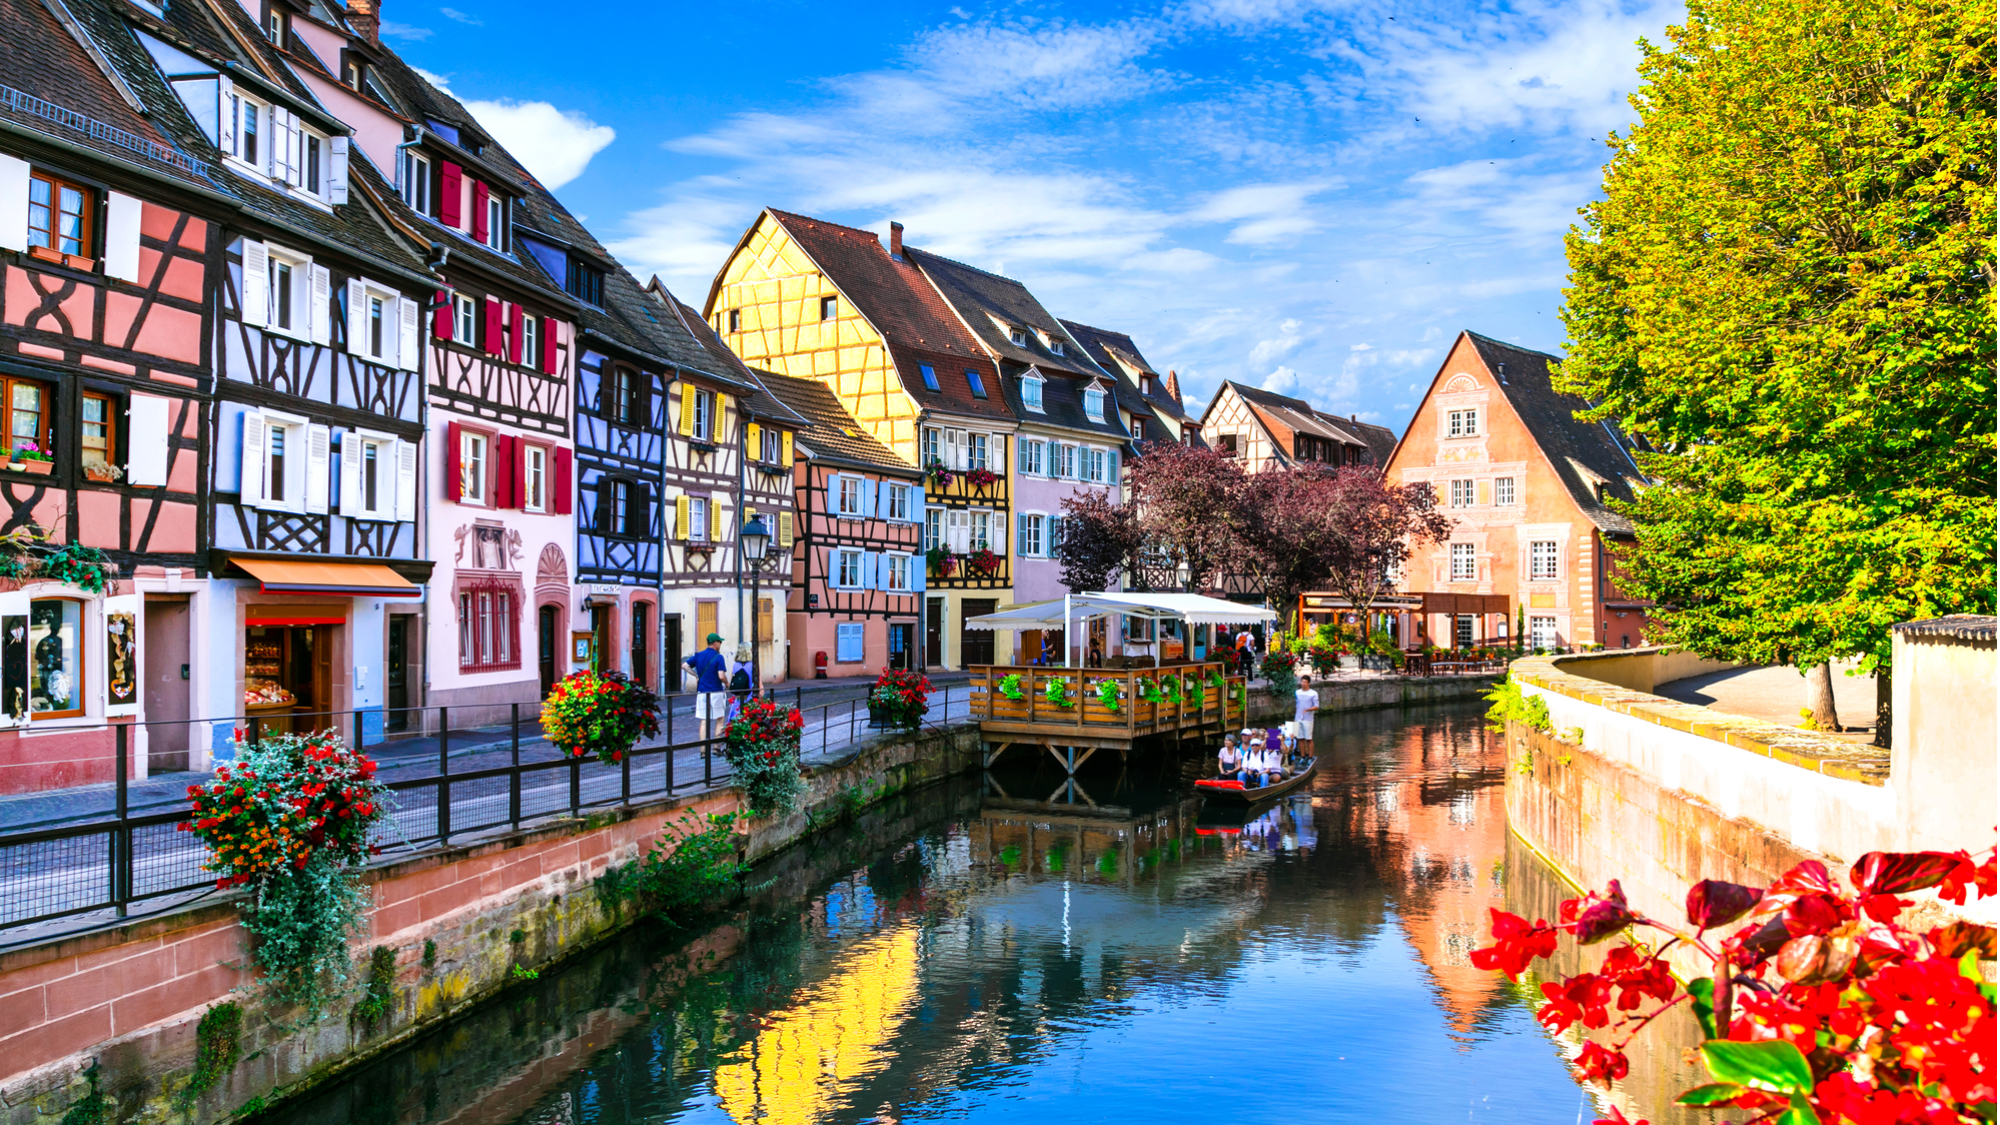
[980, 952]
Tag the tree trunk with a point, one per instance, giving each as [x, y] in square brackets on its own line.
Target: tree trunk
[1819, 698]
[1883, 713]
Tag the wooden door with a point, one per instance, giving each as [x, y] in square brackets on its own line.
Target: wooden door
[546, 647]
[165, 695]
[704, 623]
[975, 646]
[397, 672]
[933, 632]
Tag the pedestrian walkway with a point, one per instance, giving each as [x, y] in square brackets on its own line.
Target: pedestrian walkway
[1777, 694]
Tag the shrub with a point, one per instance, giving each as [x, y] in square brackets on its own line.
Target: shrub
[901, 697]
[1820, 1008]
[1281, 668]
[602, 712]
[694, 862]
[762, 745]
[1510, 702]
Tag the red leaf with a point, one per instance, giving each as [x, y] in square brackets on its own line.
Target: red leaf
[1712, 903]
[1895, 873]
[1955, 940]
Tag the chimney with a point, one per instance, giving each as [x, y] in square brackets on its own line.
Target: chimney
[1174, 386]
[895, 240]
[365, 16]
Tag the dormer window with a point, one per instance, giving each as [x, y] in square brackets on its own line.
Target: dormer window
[275, 26]
[1145, 384]
[1055, 346]
[416, 182]
[1093, 403]
[1031, 393]
[1019, 336]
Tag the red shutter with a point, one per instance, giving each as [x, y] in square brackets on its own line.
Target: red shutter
[479, 197]
[514, 337]
[551, 363]
[503, 472]
[495, 344]
[561, 487]
[441, 319]
[448, 189]
[453, 480]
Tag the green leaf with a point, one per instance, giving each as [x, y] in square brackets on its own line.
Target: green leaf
[1711, 1094]
[1702, 989]
[1800, 1113]
[1774, 1066]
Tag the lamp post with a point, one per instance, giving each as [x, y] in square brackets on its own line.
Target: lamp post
[755, 543]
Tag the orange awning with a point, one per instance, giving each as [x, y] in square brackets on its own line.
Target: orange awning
[304, 576]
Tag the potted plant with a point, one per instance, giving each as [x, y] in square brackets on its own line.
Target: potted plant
[103, 472]
[1281, 668]
[29, 458]
[1010, 686]
[1057, 691]
[899, 699]
[605, 713]
[981, 478]
[1107, 694]
[985, 562]
[762, 745]
[943, 562]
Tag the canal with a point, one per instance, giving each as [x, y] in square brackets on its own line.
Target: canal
[974, 952]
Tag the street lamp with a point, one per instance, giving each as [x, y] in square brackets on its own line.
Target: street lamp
[754, 541]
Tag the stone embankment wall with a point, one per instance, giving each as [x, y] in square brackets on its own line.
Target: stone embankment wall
[463, 923]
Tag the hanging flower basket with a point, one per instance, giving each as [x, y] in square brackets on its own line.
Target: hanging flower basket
[982, 478]
[941, 477]
[1107, 694]
[762, 745]
[1148, 689]
[943, 562]
[985, 562]
[601, 713]
[1057, 691]
[899, 699]
[1010, 686]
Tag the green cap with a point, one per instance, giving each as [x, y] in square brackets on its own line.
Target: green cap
[715, 638]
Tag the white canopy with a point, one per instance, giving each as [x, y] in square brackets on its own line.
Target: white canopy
[1192, 608]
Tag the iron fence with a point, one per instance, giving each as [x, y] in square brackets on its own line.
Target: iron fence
[446, 785]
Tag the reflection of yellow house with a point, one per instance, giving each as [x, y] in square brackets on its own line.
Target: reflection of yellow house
[810, 1056]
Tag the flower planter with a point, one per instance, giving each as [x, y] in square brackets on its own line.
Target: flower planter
[39, 468]
[1348, 662]
[102, 474]
[1373, 663]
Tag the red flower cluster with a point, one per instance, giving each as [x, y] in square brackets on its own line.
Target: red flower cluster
[1819, 1003]
[985, 562]
[603, 713]
[287, 799]
[902, 696]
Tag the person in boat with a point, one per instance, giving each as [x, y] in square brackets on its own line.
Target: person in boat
[1251, 770]
[1228, 758]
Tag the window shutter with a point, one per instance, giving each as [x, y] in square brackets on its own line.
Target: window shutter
[715, 427]
[785, 533]
[551, 362]
[751, 450]
[13, 203]
[441, 316]
[255, 292]
[997, 454]
[319, 308]
[493, 343]
[873, 499]
[454, 479]
[687, 410]
[408, 338]
[503, 464]
[146, 441]
[121, 236]
[350, 474]
[785, 450]
[1021, 535]
[680, 529]
[319, 441]
[715, 519]
[357, 317]
[517, 316]
[225, 115]
[336, 173]
[871, 566]
[917, 569]
[406, 480]
[1111, 466]
[480, 194]
[449, 188]
[562, 489]
[275, 148]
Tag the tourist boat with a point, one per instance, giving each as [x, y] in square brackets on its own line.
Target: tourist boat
[1230, 789]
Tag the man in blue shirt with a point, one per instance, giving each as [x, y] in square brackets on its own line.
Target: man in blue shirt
[711, 701]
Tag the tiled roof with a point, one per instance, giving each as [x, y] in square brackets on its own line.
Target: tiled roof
[755, 396]
[1594, 459]
[917, 325]
[1957, 627]
[1062, 400]
[979, 298]
[835, 433]
[1113, 349]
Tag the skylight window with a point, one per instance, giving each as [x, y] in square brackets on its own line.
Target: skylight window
[930, 377]
[978, 384]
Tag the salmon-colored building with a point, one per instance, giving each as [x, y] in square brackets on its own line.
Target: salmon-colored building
[1528, 487]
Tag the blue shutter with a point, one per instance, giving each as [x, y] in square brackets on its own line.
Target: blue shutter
[832, 495]
[871, 497]
[1111, 459]
[917, 573]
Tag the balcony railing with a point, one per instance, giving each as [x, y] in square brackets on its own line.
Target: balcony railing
[1208, 696]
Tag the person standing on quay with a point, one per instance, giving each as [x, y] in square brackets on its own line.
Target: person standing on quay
[1305, 708]
[711, 702]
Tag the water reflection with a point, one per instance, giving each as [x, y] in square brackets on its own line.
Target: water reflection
[979, 952]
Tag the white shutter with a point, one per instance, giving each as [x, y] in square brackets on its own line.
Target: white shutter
[350, 474]
[146, 441]
[252, 459]
[225, 115]
[319, 440]
[319, 306]
[297, 170]
[357, 317]
[406, 480]
[336, 172]
[121, 237]
[996, 454]
[407, 335]
[280, 148]
[13, 203]
[256, 289]
[954, 449]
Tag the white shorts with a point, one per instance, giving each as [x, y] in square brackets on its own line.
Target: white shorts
[1303, 731]
[711, 705]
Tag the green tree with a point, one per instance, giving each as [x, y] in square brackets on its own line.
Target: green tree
[1787, 291]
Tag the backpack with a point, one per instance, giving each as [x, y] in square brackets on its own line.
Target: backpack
[740, 681]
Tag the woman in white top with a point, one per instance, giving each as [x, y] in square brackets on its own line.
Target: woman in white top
[1227, 759]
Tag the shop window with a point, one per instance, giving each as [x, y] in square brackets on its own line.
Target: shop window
[487, 627]
[59, 218]
[55, 658]
[27, 414]
[99, 439]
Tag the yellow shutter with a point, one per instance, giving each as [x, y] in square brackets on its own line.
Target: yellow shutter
[785, 530]
[680, 530]
[786, 439]
[715, 519]
[721, 404]
[765, 629]
[750, 447]
[687, 409]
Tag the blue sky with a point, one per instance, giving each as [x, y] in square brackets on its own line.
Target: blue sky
[1310, 197]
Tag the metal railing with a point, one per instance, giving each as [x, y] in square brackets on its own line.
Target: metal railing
[21, 102]
[87, 867]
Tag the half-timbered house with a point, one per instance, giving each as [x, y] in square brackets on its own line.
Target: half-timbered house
[813, 299]
[857, 564]
[1267, 431]
[1151, 402]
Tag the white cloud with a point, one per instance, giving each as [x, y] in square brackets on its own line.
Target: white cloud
[442, 82]
[404, 31]
[461, 17]
[1281, 381]
[555, 145]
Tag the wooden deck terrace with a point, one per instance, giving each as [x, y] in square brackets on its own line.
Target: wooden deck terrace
[1206, 701]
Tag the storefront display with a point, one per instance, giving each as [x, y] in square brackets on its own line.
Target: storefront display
[285, 676]
[55, 664]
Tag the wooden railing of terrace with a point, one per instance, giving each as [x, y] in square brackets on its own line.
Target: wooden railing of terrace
[1013, 705]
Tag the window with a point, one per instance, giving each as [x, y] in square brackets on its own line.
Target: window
[1096, 466]
[933, 528]
[369, 468]
[290, 277]
[313, 147]
[1055, 345]
[1542, 632]
[55, 658]
[1461, 423]
[1093, 403]
[849, 642]
[899, 502]
[1463, 565]
[531, 340]
[978, 385]
[471, 467]
[899, 571]
[847, 500]
[378, 326]
[933, 446]
[847, 569]
[99, 438]
[1066, 462]
[982, 531]
[1031, 393]
[1028, 539]
[1461, 494]
[1462, 630]
[371, 475]
[696, 530]
[585, 282]
[59, 215]
[465, 320]
[930, 376]
[1138, 429]
[975, 451]
[1503, 491]
[1226, 443]
[736, 320]
[1019, 337]
[620, 510]
[496, 218]
[275, 453]
[624, 404]
[954, 449]
[416, 185]
[829, 307]
[486, 627]
[276, 28]
[1542, 559]
[704, 415]
[246, 115]
[1145, 384]
[535, 479]
[1031, 456]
